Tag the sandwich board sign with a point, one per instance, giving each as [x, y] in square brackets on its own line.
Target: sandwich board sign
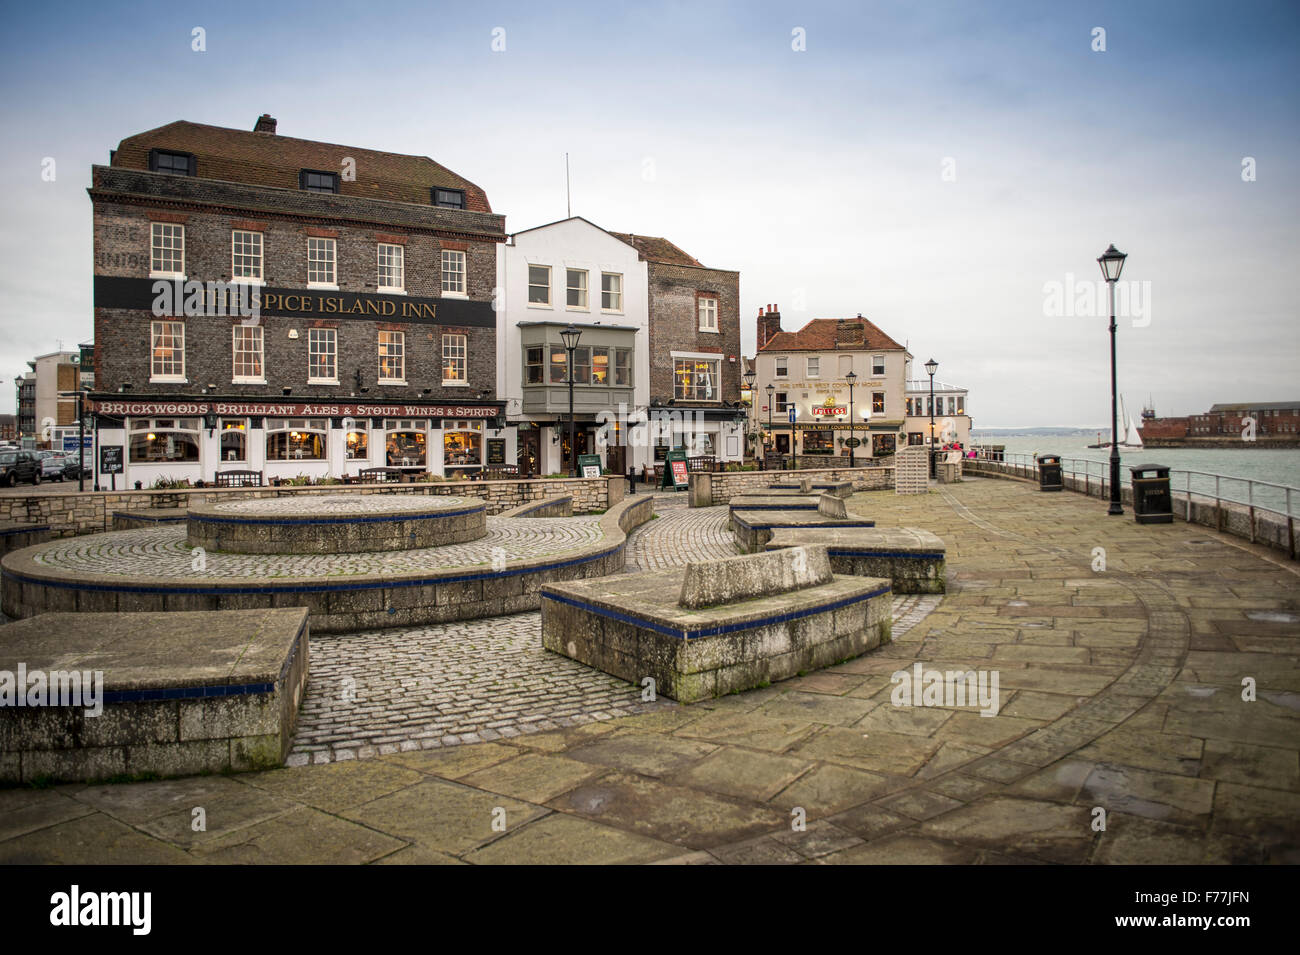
[675, 473]
[589, 465]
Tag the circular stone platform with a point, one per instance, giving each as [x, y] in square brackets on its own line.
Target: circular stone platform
[336, 524]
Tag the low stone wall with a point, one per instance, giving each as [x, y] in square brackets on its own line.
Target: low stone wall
[336, 604]
[753, 529]
[913, 560]
[92, 511]
[719, 487]
[1260, 527]
[181, 694]
[18, 536]
[149, 517]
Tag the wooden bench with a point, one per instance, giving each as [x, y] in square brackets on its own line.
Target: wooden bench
[380, 475]
[238, 479]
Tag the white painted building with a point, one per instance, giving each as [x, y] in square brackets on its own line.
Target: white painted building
[572, 272]
[952, 420]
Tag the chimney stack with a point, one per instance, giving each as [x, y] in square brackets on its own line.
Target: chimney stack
[769, 324]
[265, 124]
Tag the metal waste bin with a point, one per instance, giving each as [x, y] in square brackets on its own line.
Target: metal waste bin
[1049, 472]
[1152, 502]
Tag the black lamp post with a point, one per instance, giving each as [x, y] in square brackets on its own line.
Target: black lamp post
[851, 378]
[571, 336]
[1112, 263]
[749, 378]
[931, 366]
[771, 391]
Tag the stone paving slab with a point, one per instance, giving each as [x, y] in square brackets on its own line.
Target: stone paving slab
[1119, 732]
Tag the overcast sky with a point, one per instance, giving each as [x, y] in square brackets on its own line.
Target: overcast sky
[941, 168]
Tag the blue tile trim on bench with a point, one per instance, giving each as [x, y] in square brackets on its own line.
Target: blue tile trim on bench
[831, 522]
[139, 516]
[683, 633]
[25, 529]
[774, 507]
[858, 552]
[380, 519]
[186, 693]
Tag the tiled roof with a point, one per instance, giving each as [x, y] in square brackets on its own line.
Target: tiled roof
[656, 249]
[269, 159]
[831, 334]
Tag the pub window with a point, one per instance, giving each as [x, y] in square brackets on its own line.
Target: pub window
[695, 379]
[611, 291]
[167, 243]
[449, 198]
[322, 256]
[167, 359]
[623, 367]
[177, 164]
[313, 180]
[454, 352]
[164, 440]
[462, 448]
[559, 365]
[877, 364]
[534, 360]
[814, 367]
[246, 354]
[391, 267]
[782, 405]
[407, 447]
[392, 357]
[818, 442]
[576, 284]
[600, 364]
[245, 255]
[322, 356]
[877, 402]
[295, 439]
[581, 365]
[782, 367]
[234, 439]
[356, 442]
[453, 272]
[539, 285]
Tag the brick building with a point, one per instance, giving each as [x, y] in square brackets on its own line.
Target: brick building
[694, 350]
[289, 306]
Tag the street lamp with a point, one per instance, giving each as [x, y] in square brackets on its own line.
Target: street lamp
[1112, 264]
[851, 378]
[749, 377]
[931, 366]
[571, 336]
[771, 389]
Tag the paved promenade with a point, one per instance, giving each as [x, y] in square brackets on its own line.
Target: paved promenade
[1120, 649]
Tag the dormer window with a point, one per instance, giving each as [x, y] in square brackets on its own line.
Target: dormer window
[313, 180]
[176, 164]
[449, 198]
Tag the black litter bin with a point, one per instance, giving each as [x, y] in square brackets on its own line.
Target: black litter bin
[1049, 472]
[1152, 502]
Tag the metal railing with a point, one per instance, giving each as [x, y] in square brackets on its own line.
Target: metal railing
[1207, 486]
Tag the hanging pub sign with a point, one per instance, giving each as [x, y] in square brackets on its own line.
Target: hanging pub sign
[675, 472]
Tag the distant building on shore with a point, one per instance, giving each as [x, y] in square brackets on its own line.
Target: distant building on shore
[1276, 423]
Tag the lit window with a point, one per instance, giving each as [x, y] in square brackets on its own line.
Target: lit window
[391, 269]
[577, 288]
[611, 291]
[167, 351]
[234, 439]
[453, 272]
[322, 355]
[600, 365]
[453, 360]
[877, 402]
[168, 249]
[708, 308]
[246, 255]
[695, 379]
[392, 357]
[539, 285]
[247, 354]
[559, 365]
[322, 255]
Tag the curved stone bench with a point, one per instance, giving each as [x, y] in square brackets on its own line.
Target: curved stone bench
[843, 489]
[374, 522]
[561, 505]
[753, 528]
[913, 560]
[772, 619]
[147, 517]
[336, 604]
[15, 536]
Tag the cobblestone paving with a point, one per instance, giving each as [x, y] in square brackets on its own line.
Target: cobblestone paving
[340, 504]
[163, 551]
[401, 690]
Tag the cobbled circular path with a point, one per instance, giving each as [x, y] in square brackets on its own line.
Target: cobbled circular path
[163, 551]
[383, 692]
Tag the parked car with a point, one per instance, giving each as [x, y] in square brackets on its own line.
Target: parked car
[18, 466]
[74, 469]
[51, 465]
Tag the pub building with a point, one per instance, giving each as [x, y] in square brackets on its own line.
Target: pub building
[292, 307]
